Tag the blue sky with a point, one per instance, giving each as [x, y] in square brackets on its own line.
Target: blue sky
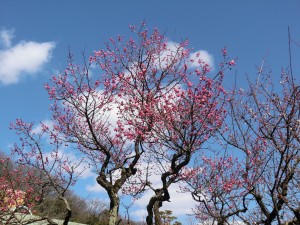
[36, 35]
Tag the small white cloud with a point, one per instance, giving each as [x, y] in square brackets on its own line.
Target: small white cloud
[201, 57]
[172, 50]
[39, 128]
[84, 169]
[6, 37]
[180, 203]
[167, 56]
[95, 188]
[140, 214]
[25, 58]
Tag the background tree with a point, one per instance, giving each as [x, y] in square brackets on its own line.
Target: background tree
[272, 161]
[218, 186]
[52, 169]
[261, 184]
[24, 191]
[19, 192]
[167, 217]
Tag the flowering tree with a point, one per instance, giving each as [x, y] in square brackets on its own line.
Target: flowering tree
[152, 97]
[218, 186]
[272, 160]
[15, 191]
[47, 170]
[109, 117]
[187, 121]
[20, 193]
[188, 117]
[261, 185]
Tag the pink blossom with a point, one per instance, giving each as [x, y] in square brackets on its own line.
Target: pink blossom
[232, 62]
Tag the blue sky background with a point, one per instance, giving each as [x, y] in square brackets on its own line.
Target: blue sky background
[251, 30]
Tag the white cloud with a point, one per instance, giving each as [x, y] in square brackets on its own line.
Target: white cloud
[181, 204]
[140, 214]
[25, 58]
[167, 56]
[39, 128]
[95, 187]
[83, 169]
[201, 57]
[6, 37]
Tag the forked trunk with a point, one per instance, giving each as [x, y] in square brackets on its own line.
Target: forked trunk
[153, 211]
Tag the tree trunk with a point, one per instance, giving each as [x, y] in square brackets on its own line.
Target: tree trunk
[114, 209]
[69, 211]
[153, 208]
[67, 217]
[157, 217]
[149, 218]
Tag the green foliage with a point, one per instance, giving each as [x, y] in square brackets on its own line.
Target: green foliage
[167, 217]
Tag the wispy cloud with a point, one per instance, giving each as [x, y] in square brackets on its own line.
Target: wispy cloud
[23, 59]
[6, 37]
[39, 128]
[95, 187]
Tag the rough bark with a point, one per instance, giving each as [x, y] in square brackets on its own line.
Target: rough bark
[149, 218]
[68, 211]
[157, 217]
[113, 208]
